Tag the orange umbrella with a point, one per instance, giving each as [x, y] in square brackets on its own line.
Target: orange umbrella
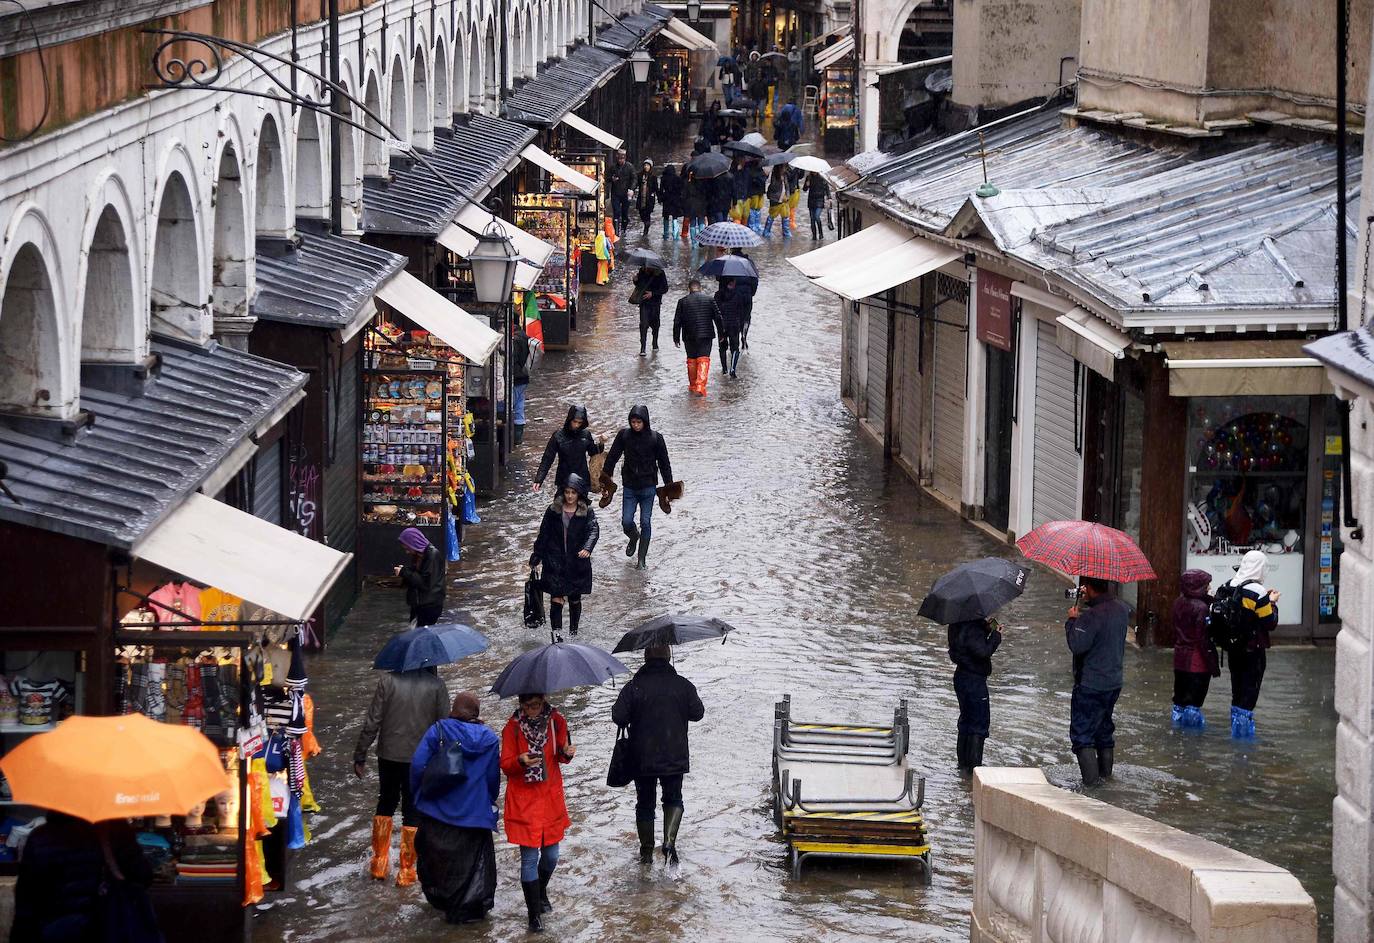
[99, 768]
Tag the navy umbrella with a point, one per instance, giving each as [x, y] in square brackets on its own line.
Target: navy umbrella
[556, 667]
[429, 646]
[974, 590]
[729, 266]
[673, 630]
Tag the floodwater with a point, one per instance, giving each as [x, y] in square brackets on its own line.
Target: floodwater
[793, 530]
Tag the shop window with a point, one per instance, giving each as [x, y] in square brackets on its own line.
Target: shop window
[1328, 520]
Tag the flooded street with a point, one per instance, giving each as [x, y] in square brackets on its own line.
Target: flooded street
[793, 530]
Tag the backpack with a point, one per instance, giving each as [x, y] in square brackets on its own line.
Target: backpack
[1228, 624]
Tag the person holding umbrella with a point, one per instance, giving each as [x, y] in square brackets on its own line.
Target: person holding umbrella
[730, 303]
[1096, 635]
[748, 286]
[650, 285]
[817, 195]
[571, 445]
[534, 746]
[567, 536]
[423, 577]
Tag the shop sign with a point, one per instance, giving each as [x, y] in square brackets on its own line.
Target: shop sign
[994, 309]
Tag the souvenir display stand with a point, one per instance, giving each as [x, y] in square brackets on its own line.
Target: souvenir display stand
[670, 99]
[841, 119]
[549, 216]
[589, 212]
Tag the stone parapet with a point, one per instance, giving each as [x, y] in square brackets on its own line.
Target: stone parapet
[1053, 866]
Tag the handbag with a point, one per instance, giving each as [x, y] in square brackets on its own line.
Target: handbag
[622, 769]
[829, 217]
[444, 769]
[534, 603]
[637, 295]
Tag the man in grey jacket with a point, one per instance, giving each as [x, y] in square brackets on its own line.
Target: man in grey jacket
[404, 706]
[1096, 633]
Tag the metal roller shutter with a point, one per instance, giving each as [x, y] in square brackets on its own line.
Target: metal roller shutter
[951, 356]
[877, 368]
[267, 484]
[852, 388]
[341, 487]
[1055, 466]
[908, 369]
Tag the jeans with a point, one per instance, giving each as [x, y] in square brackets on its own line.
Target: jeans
[620, 212]
[1247, 673]
[817, 219]
[537, 861]
[972, 691]
[517, 402]
[1090, 718]
[643, 498]
[394, 789]
[645, 787]
[1190, 688]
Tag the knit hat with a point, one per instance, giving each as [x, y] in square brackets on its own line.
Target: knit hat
[412, 539]
[466, 706]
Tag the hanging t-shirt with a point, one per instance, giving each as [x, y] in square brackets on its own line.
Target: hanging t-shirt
[218, 606]
[38, 700]
[176, 602]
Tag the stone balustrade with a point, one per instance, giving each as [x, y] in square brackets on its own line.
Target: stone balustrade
[1054, 866]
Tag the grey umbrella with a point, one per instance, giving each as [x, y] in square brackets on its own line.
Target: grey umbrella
[708, 165]
[673, 630]
[740, 147]
[556, 667]
[645, 257]
[974, 590]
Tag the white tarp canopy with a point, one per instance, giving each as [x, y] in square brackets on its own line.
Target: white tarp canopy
[441, 317]
[837, 256]
[844, 30]
[532, 249]
[210, 542]
[874, 274]
[832, 54]
[1091, 341]
[542, 158]
[592, 131]
[457, 240]
[688, 38]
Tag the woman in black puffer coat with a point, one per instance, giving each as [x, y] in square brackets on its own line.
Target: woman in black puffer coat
[567, 536]
[570, 445]
[670, 195]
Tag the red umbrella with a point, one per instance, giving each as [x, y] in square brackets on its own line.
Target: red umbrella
[1080, 548]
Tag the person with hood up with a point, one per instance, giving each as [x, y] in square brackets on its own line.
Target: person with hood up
[603, 248]
[455, 854]
[817, 194]
[739, 190]
[646, 192]
[652, 285]
[1195, 656]
[1096, 635]
[757, 189]
[404, 705]
[423, 577]
[1257, 613]
[646, 458]
[699, 193]
[730, 301]
[567, 537]
[722, 195]
[656, 706]
[670, 195]
[534, 746]
[696, 323]
[571, 445]
[971, 647]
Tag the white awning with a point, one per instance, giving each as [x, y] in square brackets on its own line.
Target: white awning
[553, 165]
[832, 54]
[592, 131]
[532, 249]
[457, 240]
[526, 275]
[877, 273]
[844, 30]
[837, 256]
[1243, 368]
[210, 542]
[1091, 341]
[686, 37]
[441, 317]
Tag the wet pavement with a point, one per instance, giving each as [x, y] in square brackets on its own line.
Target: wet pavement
[793, 530]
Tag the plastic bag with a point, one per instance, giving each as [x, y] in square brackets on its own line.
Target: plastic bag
[455, 550]
[470, 507]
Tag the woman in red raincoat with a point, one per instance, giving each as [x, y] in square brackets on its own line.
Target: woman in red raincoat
[534, 747]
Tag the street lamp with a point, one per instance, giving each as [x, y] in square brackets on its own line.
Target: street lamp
[693, 10]
[493, 262]
[640, 62]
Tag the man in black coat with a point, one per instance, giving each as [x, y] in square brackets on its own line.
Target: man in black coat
[657, 705]
[730, 301]
[570, 445]
[697, 323]
[620, 180]
[646, 457]
[971, 645]
[1096, 635]
[652, 285]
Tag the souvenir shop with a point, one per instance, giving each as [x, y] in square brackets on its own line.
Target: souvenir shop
[839, 91]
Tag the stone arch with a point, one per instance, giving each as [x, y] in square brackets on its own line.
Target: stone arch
[229, 244]
[375, 161]
[491, 79]
[350, 169]
[891, 36]
[272, 213]
[477, 92]
[443, 86]
[312, 171]
[398, 110]
[176, 293]
[33, 381]
[461, 70]
[421, 107]
[531, 54]
[109, 279]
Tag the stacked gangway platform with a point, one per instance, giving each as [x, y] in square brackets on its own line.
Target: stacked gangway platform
[844, 790]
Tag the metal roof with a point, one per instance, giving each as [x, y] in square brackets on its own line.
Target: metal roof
[114, 482]
[324, 283]
[1168, 236]
[628, 33]
[561, 87]
[1349, 352]
[472, 154]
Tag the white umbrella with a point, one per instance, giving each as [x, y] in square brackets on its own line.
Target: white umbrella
[808, 163]
[754, 138]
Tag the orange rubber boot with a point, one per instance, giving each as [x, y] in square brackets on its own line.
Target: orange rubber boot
[381, 846]
[405, 872]
[703, 374]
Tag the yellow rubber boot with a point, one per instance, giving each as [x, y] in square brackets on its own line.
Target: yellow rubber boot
[405, 872]
[381, 846]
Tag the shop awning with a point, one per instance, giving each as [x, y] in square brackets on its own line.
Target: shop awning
[1091, 341]
[844, 30]
[457, 240]
[531, 248]
[686, 37]
[441, 317]
[1243, 368]
[873, 260]
[837, 256]
[832, 54]
[210, 542]
[542, 158]
[592, 131]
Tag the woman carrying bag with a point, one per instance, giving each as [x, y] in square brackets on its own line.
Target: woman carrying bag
[567, 536]
[534, 746]
[646, 193]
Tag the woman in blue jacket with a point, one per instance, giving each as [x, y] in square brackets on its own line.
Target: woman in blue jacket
[457, 858]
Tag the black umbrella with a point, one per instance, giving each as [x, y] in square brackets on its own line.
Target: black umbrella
[556, 667]
[974, 590]
[646, 257]
[739, 147]
[672, 630]
[782, 157]
[729, 266]
[708, 165]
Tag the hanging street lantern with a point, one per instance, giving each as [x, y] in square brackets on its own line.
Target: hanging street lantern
[640, 62]
[493, 262]
[693, 10]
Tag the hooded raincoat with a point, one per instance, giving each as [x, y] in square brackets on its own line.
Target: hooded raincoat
[571, 447]
[645, 453]
[1193, 650]
[536, 814]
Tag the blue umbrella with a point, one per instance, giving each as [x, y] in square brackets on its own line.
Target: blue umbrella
[556, 667]
[729, 266]
[728, 236]
[429, 646]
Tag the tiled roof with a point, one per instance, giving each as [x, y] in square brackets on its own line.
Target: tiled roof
[324, 283]
[561, 87]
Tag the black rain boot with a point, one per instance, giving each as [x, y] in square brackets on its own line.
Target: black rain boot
[519, 433]
[672, 818]
[724, 363]
[533, 906]
[962, 752]
[544, 906]
[976, 750]
[1104, 761]
[645, 828]
[1087, 766]
[643, 554]
[632, 533]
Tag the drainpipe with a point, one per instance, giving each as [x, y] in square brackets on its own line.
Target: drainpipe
[1342, 299]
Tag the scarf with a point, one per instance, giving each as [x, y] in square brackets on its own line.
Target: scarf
[536, 731]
